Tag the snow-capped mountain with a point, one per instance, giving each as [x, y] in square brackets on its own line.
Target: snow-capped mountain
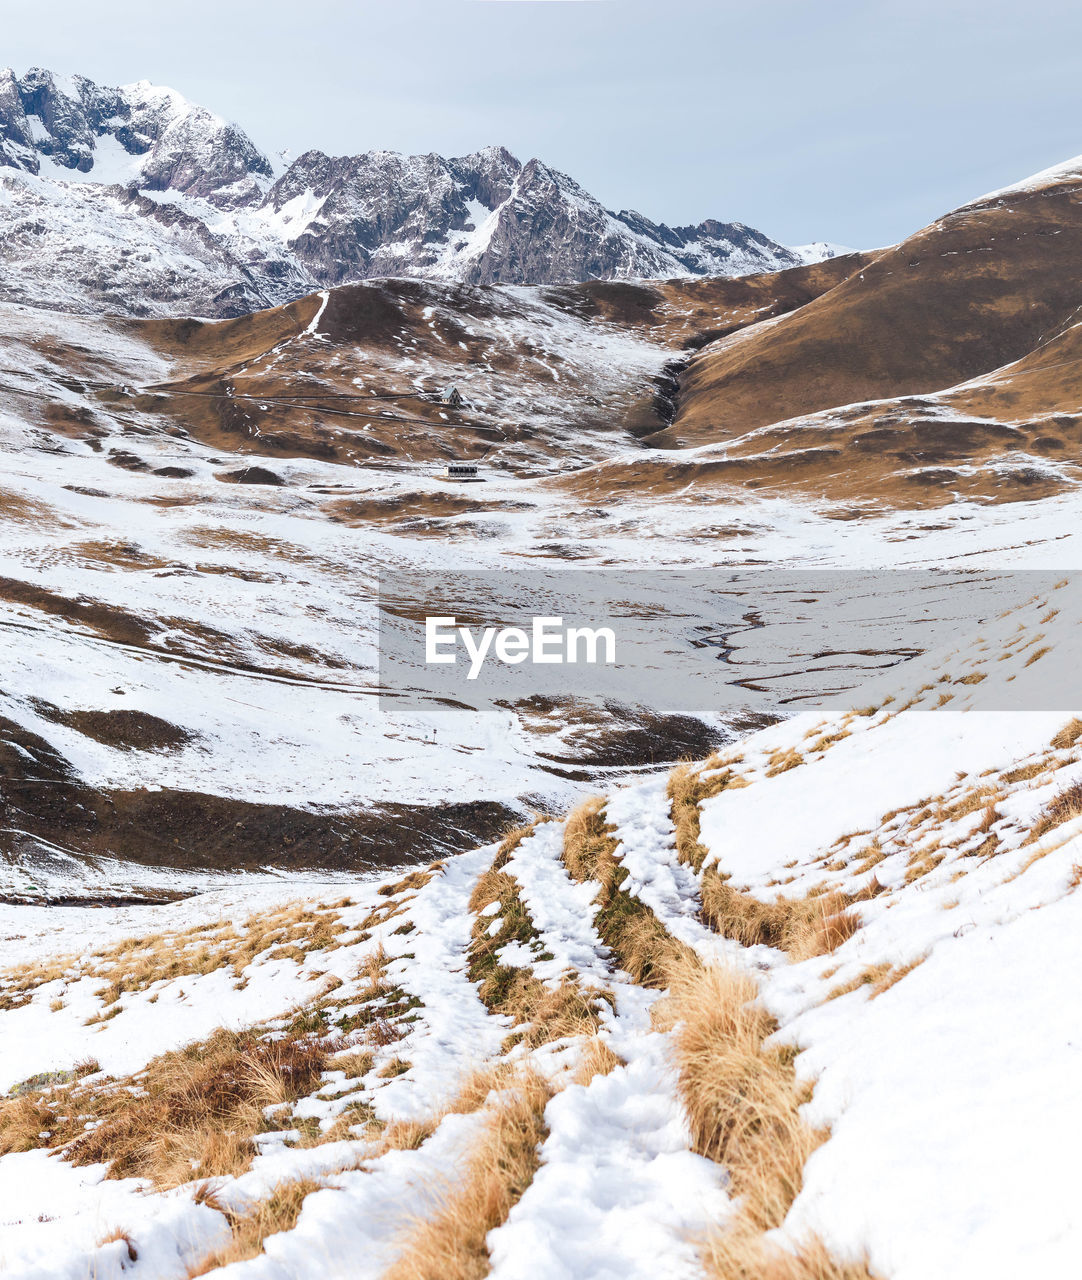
[141, 135]
[134, 199]
[486, 218]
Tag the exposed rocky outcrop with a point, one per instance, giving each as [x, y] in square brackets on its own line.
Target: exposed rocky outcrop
[135, 200]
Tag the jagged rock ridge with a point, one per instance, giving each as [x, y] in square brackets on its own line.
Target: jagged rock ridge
[134, 199]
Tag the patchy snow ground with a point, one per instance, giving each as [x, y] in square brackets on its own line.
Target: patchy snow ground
[244, 615]
[940, 1041]
[259, 616]
[942, 1037]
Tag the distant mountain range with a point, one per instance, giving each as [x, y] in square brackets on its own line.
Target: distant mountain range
[135, 200]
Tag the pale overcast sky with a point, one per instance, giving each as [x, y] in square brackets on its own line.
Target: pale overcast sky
[836, 120]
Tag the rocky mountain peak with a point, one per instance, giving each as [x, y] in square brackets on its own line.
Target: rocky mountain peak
[140, 134]
[166, 183]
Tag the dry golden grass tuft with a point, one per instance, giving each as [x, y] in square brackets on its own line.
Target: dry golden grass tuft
[740, 1254]
[896, 974]
[409, 883]
[782, 761]
[1064, 807]
[393, 1068]
[598, 1059]
[869, 976]
[512, 838]
[1068, 735]
[556, 1014]
[372, 970]
[542, 1015]
[119, 1236]
[802, 927]
[988, 819]
[1024, 772]
[685, 795]
[200, 1107]
[18, 985]
[588, 843]
[355, 1064]
[451, 1245]
[191, 1113]
[878, 977]
[827, 740]
[645, 948]
[278, 1212]
[741, 1097]
[407, 1135]
[742, 1102]
[687, 789]
[922, 861]
[870, 856]
[970, 801]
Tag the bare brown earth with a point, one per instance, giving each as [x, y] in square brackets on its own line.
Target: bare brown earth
[693, 312]
[47, 807]
[979, 289]
[904, 454]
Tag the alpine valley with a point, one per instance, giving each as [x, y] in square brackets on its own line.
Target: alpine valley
[302, 977]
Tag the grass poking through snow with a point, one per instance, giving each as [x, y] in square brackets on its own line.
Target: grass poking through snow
[451, 1245]
[189, 1114]
[742, 1102]
[278, 1212]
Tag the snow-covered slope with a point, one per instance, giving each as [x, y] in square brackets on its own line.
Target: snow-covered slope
[804, 1010]
[896, 886]
[194, 518]
[134, 199]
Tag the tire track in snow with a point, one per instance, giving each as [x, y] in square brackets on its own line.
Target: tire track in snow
[562, 911]
[455, 1031]
[618, 1195]
[646, 847]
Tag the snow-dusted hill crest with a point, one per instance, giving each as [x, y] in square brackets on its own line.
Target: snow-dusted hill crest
[133, 199]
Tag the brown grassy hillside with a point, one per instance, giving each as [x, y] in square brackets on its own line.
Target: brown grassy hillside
[946, 368]
[542, 370]
[978, 289]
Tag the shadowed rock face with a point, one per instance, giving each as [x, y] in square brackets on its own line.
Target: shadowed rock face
[154, 205]
[487, 219]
